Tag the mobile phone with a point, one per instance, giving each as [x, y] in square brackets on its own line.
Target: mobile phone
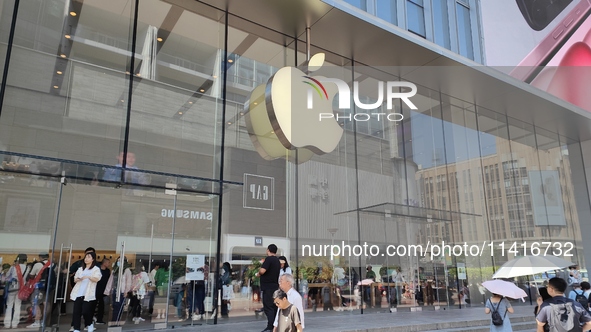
[539, 13]
[567, 73]
[532, 65]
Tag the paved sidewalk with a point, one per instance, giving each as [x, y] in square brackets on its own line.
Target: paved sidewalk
[402, 321]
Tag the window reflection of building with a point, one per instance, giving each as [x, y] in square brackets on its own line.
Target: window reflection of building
[507, 201]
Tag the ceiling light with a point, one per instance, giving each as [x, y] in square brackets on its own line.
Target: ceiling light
[68, 36]
[55, 87]
[241, 113]
[73, 13]
[190, 102]
[122, 100]
[127, 72]
[229, 122]
[59, 72]
[180, 113]
[215, 76]
[63, 55]
[256, 103]
[159, 39]
[138, 74]
[230, 60]
[202, 90]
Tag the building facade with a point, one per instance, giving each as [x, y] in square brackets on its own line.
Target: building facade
[135, 128]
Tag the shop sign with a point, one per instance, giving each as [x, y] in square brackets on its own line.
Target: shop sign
[258, 192]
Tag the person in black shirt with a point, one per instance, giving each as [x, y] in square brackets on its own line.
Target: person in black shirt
[269, 274]
[101, 285]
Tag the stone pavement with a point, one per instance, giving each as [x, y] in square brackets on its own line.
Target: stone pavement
[452, 320]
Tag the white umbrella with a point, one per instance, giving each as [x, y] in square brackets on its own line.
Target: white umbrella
[529, 265]
[504, 288]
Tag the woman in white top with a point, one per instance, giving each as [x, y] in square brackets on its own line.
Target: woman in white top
[285, 269]
[83, 293]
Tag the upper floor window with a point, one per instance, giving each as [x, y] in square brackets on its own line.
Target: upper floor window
[386, 10]
[362, 4]
[441, 31]
[465, 46]
[415, 17]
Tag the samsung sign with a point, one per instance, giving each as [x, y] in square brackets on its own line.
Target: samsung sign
[187, 214]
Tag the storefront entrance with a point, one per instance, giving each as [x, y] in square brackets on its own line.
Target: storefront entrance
[148, 240]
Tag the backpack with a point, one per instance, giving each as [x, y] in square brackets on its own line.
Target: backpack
[496, 317]
[27, 288]
[562, 317]
[582, 300]
[45, 278]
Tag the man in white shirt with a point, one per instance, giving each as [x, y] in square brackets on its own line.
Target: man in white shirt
[286, 282]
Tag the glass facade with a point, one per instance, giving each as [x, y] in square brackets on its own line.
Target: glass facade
[129, 127]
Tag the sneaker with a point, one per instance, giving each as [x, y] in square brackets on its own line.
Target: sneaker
[71, 329]
[91, 328]
[136, 321]
[141, 319]
[34, 325]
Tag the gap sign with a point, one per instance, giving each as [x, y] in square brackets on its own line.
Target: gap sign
[258, 192]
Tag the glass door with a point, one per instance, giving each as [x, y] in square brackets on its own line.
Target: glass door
[152, 248]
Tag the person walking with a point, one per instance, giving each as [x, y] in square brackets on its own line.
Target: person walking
[289, 316]
[17, 273]
[286, 283]
[561, 313]
[84, 292]
[269, 275]
[497, 304]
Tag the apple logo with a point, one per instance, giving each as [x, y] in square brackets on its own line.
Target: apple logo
[278, 116]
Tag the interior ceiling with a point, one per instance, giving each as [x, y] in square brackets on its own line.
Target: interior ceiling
[343, 31]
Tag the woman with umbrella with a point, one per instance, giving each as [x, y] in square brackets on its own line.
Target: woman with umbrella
[499, 306]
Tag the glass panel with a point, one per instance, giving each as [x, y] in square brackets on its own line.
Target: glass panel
[29, 206]
[193, 267]
[466, 195]
[553, 196]
[175, 120]
[6, 11]
[576, 197]
[415, 17]
[464, 31]
[67, 79]
[386, 10]
[494, 150]
[441, 31]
